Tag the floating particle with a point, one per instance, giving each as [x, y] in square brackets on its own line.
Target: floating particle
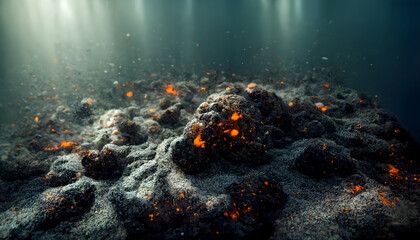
[129, 94]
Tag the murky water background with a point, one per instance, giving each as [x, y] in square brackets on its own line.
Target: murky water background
[372, 44]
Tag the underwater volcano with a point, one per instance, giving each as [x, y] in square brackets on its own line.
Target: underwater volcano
[195, 119]
[231, 158]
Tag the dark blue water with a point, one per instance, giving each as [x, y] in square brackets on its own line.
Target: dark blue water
[373, 43]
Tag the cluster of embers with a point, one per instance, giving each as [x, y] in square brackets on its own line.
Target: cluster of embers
[233, 127]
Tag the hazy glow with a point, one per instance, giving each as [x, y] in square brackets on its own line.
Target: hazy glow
[37, 26]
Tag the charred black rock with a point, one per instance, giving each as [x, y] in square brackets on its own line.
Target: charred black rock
[65, 204]
[188, 157]
[84, 108]
[225, 126]
[171, 115]
[61, 178]
[322, 158]
[272, 107]
[102, 165]
[255, 197]
[130, 132]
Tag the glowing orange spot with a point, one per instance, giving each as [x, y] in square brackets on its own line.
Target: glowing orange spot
[360, 100]
[384, 200]
[201, 89]
[393, 172]
[290, 104]
[227, 88]
[151, 217]
[75, 88]
[234, 133]
[251, 85]
[31, 97]
[323, 109]
[93, 90]
[67, 144]
[13, 125]
[169, 89]
[327, 85]
[66, 130]
[90, 101]
[356, 189]
[207, 73]
[266, 183]
[36, 119]
[198, 142]
[236, 116]
[129, 94]
[281, 82]
[397, 131]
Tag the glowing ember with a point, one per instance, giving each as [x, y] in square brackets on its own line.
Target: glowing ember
[90, 101]
[251, 85]
[327, 85]
[67, 144]
[290, 104]
[36, 119]
[323, 109]
[393, 172]
[236, 116]
[198, 142]
[129, 94]
[169, 89]
[234, 133]
[384, 200]
[356, 189]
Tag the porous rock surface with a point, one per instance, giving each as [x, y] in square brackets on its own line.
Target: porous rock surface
[301, 160]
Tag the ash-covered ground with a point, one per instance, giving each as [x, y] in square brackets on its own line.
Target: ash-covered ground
[293, 155]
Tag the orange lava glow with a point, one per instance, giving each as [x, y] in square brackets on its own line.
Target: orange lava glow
[324, 109]
[393, 172]
[90, 101]
[36, 119]
[384, 200]
[67, 144]
[251, 85]
[129, 94]
[234, 214]
[236, 116]
[170, 89]
[234, 133]
[357, 188]
[290, 104]
[327, 85]
[198, 142]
